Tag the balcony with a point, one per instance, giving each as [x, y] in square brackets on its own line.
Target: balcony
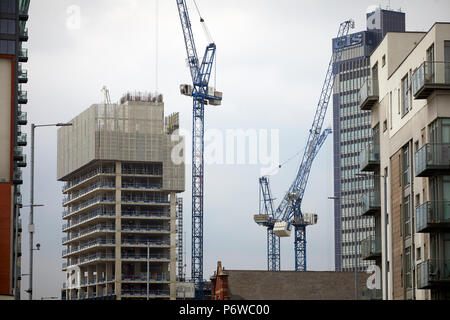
[23, 55]
[433, 216]
[369, 158]
[18, 154]
[17, 177]
[22, 96]
[430, 76]
[371, 203]
[22, 119]
[432, 159]
[22, 75]
[23, 35]
[368, 94]
[18, 199]
[23, 9]
[23, 162]
[371, 248]
[22, 139]
[433, 273]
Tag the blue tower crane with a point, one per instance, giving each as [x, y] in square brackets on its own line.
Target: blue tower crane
[288, 214]
[202, 95]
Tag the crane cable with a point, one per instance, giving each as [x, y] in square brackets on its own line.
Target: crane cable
[209, 39]
[205, 27]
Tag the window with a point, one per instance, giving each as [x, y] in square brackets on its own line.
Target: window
[430, 53]
[406, 216]
[405, 166]
[408, 274]
[419, 253]
[383, 61]
[405, 99]
[7, 26]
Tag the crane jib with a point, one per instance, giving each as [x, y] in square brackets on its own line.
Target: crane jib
[286, 208]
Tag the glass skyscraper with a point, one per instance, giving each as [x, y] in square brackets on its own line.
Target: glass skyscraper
[352, 132]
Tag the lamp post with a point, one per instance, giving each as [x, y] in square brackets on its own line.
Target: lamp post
[31, 223]
[16, 248]
[385, 266]
[355, 233]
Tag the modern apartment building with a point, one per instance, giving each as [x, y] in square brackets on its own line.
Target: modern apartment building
[408, 96]
[13, 33]
[351, 127]
[122, 165]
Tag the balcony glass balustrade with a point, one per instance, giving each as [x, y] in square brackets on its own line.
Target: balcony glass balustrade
[368, 94]
[433, 216]
[430, 76]
[432, 159]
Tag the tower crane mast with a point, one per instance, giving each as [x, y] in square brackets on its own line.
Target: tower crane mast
[202, 95]
[279, 222]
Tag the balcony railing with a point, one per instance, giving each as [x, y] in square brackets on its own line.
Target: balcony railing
[153, 243]
[22, 139]
[143, 278]
[368, 94]
[98, 213]
[22, 118]
[23, 55]
[23, 6]
[369, 157]
[433, 216]
[143, 293]
[371, 203]
[371, 248]
[432, 159]
[22, 96]
[22, 74]
[18, 154]
[87, 176]
[430, 76]
[145, 214]
[24, 34]
[17, 177]
[145, 257]
[433, 273]
[81, 193]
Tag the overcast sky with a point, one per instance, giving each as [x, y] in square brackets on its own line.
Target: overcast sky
[271, 62]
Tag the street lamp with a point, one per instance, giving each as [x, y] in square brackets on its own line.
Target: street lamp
[355, 233]
[385, 266]
[16, 248]
[31, 225]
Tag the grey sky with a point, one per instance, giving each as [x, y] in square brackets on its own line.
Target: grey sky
[272, 58]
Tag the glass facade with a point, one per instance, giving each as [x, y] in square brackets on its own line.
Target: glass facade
[352, 133]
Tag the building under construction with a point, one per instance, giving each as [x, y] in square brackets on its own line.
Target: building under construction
[122, 219]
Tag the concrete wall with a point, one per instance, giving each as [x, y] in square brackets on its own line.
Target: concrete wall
[293, 285]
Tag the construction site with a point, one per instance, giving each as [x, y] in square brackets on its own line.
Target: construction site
[342, 204]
